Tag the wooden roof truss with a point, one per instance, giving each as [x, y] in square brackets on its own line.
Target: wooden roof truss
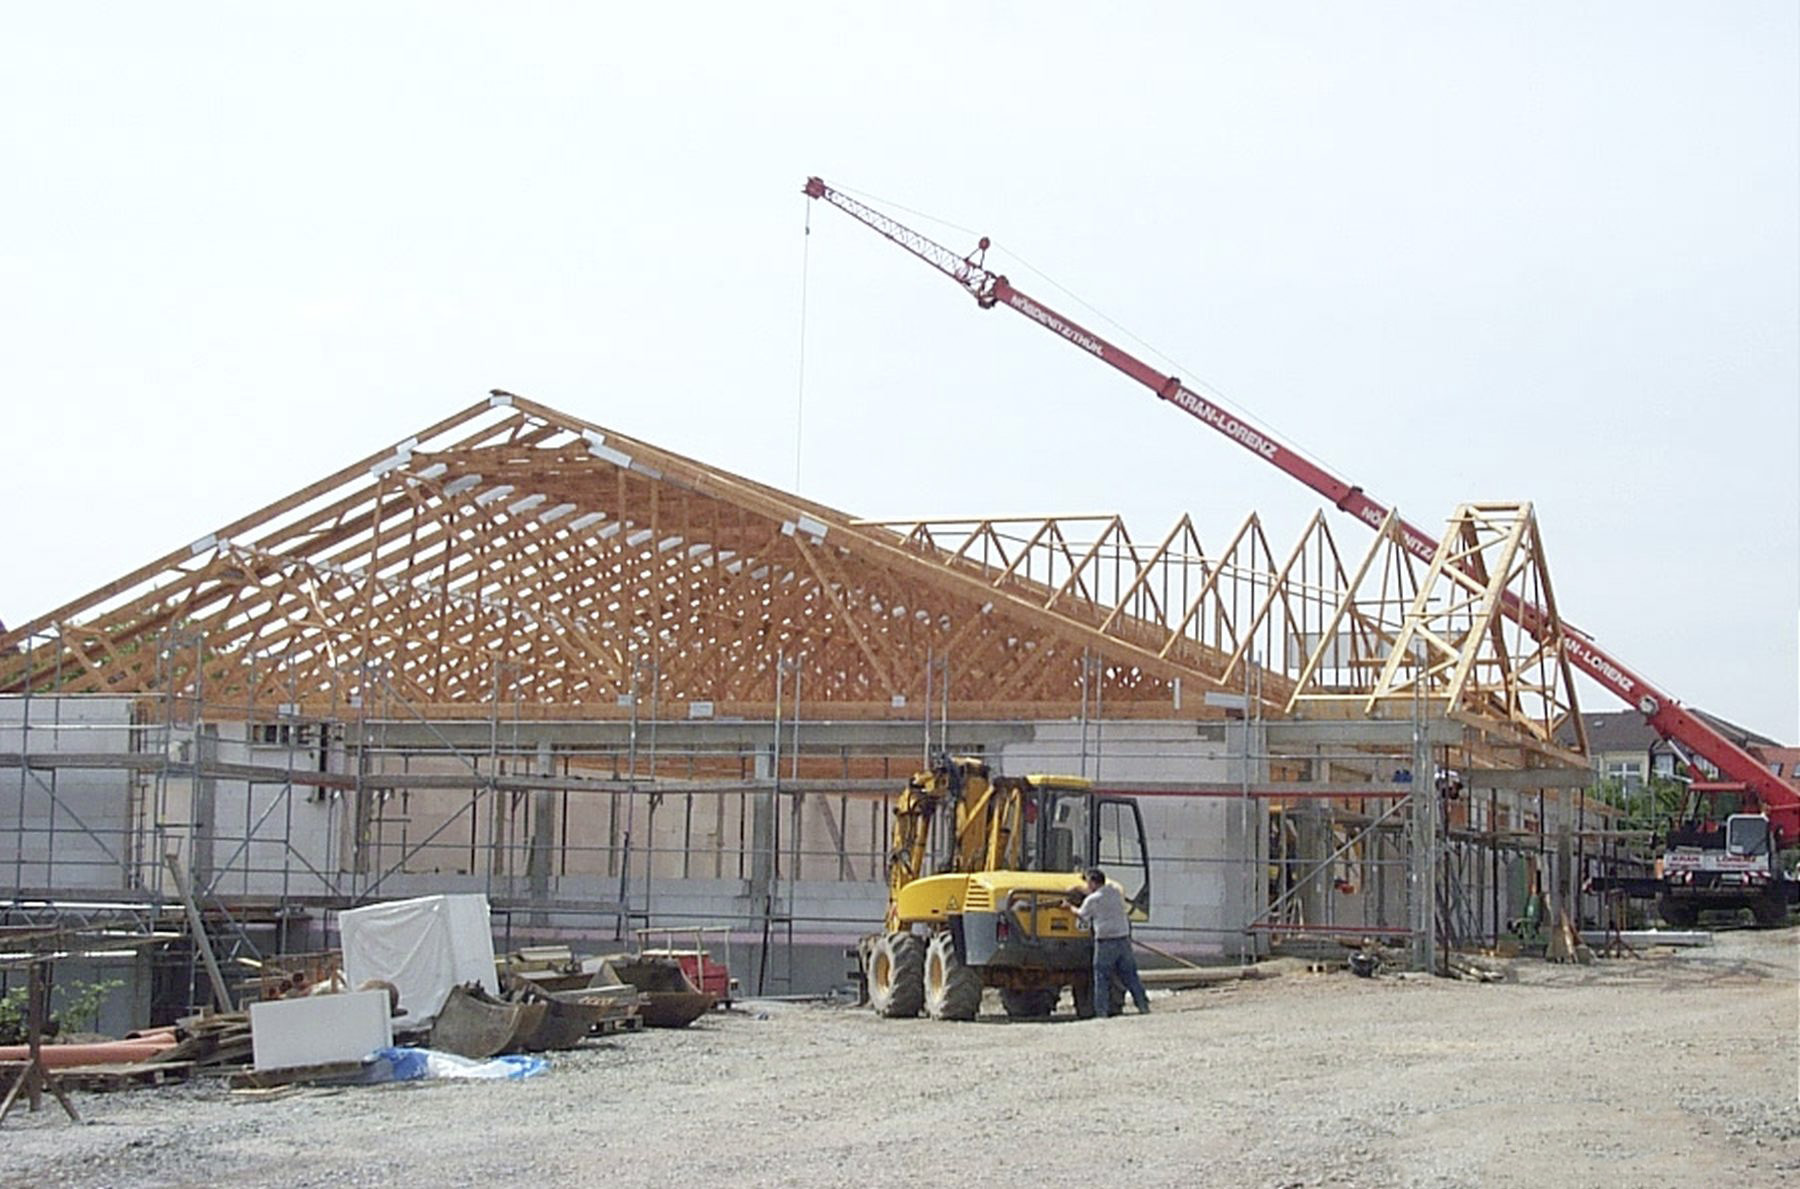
[513, 553]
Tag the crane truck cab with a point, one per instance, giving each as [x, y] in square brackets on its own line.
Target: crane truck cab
[981, 900]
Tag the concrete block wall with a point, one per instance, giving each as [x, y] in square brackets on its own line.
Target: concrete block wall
[251, 839]
[1205, 853]
[124, 1007]
[65, 828]
[1209, 855]
[94, 830]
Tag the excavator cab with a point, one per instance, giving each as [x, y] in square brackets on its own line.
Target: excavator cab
[1080, 829]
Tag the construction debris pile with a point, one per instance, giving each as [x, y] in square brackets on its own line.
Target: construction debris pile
[416, 992]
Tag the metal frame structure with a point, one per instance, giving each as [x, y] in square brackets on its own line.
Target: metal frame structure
[418, 805]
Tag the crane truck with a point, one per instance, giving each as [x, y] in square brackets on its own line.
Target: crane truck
[1762, 791]
[978, 875]
[1714, 860]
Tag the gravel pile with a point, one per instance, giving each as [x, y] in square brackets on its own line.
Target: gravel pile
[1678, 1067]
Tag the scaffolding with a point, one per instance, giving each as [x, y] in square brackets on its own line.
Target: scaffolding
[586, 832]
[611, 687]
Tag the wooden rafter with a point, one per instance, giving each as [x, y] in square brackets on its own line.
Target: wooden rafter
[511, 547]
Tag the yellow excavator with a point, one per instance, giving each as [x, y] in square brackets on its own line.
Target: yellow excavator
[978, 880]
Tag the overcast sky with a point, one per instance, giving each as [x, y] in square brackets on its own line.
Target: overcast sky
[1503, 251]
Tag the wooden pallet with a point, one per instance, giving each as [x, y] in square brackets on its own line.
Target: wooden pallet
[612, 1024]
[336, 1072]
[133, 1075]
[210, 1042]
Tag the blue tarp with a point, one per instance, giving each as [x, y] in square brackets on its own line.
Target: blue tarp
[404, 1064]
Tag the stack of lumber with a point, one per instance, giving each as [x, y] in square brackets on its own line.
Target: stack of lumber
[125, 1075]
[211, 1043]
[198, 1044]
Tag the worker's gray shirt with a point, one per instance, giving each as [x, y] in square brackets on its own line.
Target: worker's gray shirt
[1104, 911]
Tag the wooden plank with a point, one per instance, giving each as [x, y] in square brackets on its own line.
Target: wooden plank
[197, 930]
[340, 1072]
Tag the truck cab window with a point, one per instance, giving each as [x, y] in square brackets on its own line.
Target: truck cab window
[1747, 835]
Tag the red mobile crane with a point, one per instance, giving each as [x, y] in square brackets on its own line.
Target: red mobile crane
[1739, 771]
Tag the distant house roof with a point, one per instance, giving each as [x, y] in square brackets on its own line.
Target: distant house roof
[1783, 761]
[1612, 730]
[1626, 730]
[1741, 736]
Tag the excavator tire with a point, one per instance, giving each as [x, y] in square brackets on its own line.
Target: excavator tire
[897, 976]
[1677, 914]
[1771, 908]
[1034, 1004]
[1083, 990]
[952, 990]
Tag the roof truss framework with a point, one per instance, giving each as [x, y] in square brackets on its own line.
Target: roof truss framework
[512, 552]
[1456, 644]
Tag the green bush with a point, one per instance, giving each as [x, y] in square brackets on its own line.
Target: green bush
[74, 1007]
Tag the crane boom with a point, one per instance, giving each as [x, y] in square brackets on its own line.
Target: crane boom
[1667, 716]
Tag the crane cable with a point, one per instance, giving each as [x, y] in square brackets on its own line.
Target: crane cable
[1189, 376]
[800, 395]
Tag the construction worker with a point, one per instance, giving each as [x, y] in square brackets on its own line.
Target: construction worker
[1102, 909]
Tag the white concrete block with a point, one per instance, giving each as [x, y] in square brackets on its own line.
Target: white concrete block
[319, 1030]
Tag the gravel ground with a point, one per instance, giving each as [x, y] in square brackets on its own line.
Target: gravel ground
[1682, 1067]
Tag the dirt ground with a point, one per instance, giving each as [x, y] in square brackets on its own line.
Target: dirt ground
[1683, 1067]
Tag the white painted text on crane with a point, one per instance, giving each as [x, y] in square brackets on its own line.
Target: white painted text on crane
[1032, 309]
[1230, 426]
[1603, 668]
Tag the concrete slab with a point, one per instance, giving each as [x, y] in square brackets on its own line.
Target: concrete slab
[319, 1030]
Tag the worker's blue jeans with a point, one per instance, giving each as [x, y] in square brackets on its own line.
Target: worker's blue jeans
[1113, 956]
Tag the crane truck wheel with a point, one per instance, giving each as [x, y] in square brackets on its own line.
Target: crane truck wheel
[897, 975]
[1771, 909]
[952, 990]
[1679, 914]
[1033, 1004]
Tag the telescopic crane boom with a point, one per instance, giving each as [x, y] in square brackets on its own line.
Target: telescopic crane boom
[1668, 717]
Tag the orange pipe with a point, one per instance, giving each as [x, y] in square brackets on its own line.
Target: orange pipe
[102, 1053]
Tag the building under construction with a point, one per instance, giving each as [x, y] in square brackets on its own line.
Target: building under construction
[615, 688]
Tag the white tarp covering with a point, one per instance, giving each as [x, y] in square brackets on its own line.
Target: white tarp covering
[423, 946]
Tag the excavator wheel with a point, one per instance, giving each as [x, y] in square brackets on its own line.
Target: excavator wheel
[1677, 914]
[1084, 997]
[1033, 1004]
[897, 976]
[952, 990]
